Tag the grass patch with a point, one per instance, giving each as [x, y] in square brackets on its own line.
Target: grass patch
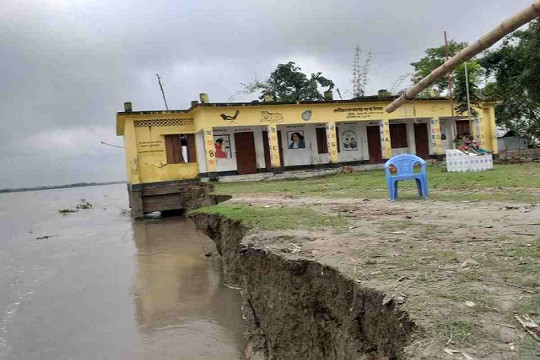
[459, 330]
[273, 218]
[443, 185]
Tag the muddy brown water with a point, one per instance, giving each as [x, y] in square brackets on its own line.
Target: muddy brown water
[104, 287]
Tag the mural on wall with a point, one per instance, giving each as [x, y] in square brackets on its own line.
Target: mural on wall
[222, 143]
[349, 141]
[443, 131]
[296, 139]
[267, 116]
[306, 115]
[230, 118]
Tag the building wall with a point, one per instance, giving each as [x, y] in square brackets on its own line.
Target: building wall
[512, 143]
[146, 148]
[358, 130]
[199, 141]
[146, 159]
[297, 157]
[229, 164]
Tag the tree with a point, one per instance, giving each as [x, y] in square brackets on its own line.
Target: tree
[434, 58]
[360, 73]
[515, 69]
[288, 84]
[474, 71]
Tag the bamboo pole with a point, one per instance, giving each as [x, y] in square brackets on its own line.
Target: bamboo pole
[506, 27]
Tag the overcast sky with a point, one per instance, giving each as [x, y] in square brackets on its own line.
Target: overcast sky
[67, 66]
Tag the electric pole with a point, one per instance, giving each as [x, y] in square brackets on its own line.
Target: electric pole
[162, 92]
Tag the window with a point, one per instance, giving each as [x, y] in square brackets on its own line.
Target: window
[398, 136]
[180, 148]
[322, 144]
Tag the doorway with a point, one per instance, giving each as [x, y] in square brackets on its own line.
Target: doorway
[421, 139]
[463, 127]
[246, 159]
[374, 144]
[267, 161]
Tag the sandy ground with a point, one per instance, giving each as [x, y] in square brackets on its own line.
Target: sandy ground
[462, 270]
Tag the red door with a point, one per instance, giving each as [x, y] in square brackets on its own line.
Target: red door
[374, 144]
[421, 139]
[246, 160]
[267, 161]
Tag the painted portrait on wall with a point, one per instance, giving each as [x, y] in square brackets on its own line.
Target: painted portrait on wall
[296, 139]
[223, 146]
[349, 140]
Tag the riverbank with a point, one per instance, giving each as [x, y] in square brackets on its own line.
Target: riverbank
[327, 273]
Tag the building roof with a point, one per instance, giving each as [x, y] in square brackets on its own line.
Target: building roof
[276, 103]
[504, 132]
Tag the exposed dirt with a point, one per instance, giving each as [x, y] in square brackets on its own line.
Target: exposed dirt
[301, 309]
[403, 280]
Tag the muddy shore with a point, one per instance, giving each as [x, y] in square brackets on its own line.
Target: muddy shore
[398, 281]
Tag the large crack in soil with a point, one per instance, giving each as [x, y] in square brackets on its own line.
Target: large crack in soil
[296, 308]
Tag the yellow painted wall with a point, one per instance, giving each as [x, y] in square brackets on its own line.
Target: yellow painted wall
[145, 147]
[146, 159]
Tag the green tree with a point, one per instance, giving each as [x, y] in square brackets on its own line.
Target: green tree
[434, 58]
[514, 68]
[288, 84]
[474, 72]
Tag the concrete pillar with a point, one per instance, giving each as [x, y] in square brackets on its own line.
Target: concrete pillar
[386, 145]
[273, 145]
[331, 140]
[135, 202]
[210, 153]
[132, 156]
[482, 133]
[493, 131]
[435, 131]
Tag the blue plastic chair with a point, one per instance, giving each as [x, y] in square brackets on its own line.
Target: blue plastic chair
[404, 165]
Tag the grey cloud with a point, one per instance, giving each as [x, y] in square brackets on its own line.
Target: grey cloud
[71, 64]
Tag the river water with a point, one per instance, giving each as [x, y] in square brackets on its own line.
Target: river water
[104, 287]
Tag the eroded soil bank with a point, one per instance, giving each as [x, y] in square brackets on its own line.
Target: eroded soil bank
[296, 308]
[369, 279]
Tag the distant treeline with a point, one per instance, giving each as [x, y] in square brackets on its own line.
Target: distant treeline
[81, 184]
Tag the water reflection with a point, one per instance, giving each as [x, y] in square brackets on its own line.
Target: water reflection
[183, 311]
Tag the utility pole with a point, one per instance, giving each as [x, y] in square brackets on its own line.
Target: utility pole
[449, 76]
[468, 98]
[162, 92]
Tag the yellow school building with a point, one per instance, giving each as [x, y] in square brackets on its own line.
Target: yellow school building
[213, 140]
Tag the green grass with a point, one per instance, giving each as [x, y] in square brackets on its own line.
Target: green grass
[273, 218]
[504, 183]
[460, 330]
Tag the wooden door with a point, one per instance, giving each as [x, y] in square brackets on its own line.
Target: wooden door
[267, 161]
[374, 144]
[462, 127]
[421, 139]
[246, 160]
[322, 142]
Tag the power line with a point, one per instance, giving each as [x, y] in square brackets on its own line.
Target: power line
[117, 146]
